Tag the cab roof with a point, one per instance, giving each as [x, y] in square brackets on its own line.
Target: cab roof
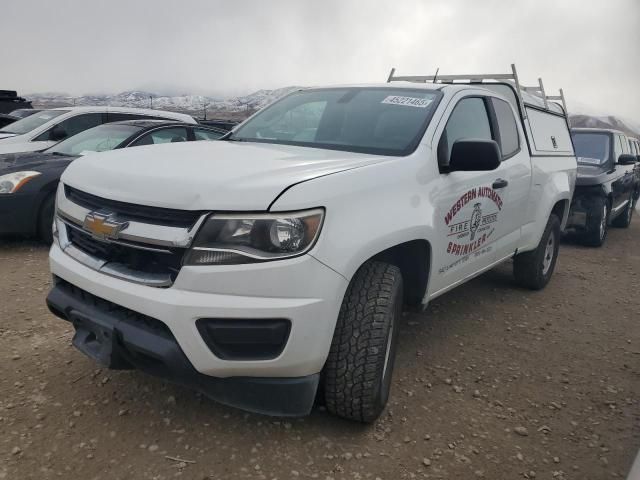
[143, 111]
[597, 130]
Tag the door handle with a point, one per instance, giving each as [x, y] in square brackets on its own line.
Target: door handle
[500, 183]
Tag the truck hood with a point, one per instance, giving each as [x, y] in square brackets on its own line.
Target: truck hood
[206, 175]
[591, 174]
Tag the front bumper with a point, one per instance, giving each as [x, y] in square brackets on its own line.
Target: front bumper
[302, 290]
[584, 207]
[121, 339]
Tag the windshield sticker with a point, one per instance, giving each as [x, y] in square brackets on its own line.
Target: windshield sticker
[407, 101]
[589, 161]
[471, 221]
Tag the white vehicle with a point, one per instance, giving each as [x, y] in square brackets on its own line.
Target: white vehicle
[256, 268]
[47, 127]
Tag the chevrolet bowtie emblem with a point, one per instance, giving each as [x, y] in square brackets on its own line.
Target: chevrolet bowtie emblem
[103, 225]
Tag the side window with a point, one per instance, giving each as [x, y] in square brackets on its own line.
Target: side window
[166, 135]
[202, 134]
[507, 127]
[80, 123]
[469, 119]
[74, 125]
[119, 117]
[618, 150]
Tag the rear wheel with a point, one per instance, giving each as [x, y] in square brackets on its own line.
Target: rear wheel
[597, 223]
[357, 375]
[45, 220]
[534, 269]
[624, 219]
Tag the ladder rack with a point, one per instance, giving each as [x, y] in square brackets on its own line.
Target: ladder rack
[511, 78]
[539, 91]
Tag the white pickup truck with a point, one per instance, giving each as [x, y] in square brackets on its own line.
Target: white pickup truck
[273, 265]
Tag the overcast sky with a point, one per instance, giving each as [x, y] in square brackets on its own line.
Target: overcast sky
[591, 48]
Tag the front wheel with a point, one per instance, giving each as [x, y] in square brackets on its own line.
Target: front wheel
[357, 375]
[534, 269]
[45, 220]
[597, 223]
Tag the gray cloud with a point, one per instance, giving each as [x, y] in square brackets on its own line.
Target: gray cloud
[224, 48]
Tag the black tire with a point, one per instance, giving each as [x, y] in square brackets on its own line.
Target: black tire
[624, 219]
[597, 223]
[45, 220]
[534, 269]
[357, 375]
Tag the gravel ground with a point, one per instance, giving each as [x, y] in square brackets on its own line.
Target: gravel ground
[491, 382]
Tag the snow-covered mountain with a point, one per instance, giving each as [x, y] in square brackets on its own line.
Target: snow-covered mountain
[609, 121]
[251, 102]
[142, 99]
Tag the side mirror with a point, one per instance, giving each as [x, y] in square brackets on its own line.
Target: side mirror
[472, 155]
[627, 159]
[57, 133]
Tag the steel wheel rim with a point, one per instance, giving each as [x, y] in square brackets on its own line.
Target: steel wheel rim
[549, 253]
[603, 222]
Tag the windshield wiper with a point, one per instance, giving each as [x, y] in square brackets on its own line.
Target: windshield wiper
[59, 154]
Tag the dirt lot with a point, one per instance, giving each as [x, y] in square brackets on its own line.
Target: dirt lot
[492, 382]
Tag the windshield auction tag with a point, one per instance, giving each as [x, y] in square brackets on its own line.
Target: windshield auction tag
[407, 101]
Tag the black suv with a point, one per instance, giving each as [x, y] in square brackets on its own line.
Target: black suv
[607, 186]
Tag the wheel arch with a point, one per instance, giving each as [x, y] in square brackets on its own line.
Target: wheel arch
[413, 258]
[561, 210]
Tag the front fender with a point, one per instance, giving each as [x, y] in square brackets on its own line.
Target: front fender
[368, 210]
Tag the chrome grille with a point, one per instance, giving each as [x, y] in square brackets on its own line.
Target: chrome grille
[139, 213]
[146, 251]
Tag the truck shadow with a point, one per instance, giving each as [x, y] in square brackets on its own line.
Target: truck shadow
[441, 326]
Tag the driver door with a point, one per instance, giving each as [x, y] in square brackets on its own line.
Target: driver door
[468, 209]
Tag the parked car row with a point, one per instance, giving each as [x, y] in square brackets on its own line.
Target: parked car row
[48, 127]
[31, 178]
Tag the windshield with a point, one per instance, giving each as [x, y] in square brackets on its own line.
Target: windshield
[96, 139]
[32, 121]
[591, 148]
[385, 121]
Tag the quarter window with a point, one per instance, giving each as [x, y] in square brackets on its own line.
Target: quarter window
[167, 135]
[507, 128]
[469, 119]
[201, 134]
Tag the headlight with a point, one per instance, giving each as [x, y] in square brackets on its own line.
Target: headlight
[228, 239]
[12, 182]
